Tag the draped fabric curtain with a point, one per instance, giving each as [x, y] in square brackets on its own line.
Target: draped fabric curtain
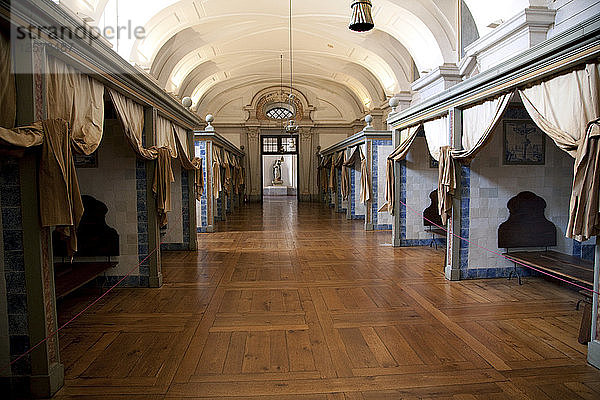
[354, 158]
[216, 170]
[332, 172]
[60, 199]
[181, 135]
[436, 133]
[131, 115]
[478, 124]
[398, 154]
[446, 183]
[567, 108]
[161, 187]
[345, 177]
[191, 164]
[226, 164]
[165, 137]
[8, 97]
[26, 136]
[79, 100]
[365, 179]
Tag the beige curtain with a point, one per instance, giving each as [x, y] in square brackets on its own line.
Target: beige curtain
[226, 164]
[345, 178]
[182, 135]
[332, 172]
[161, 187]
[354, 158]
[478, 123]
[78, 99]
[584, 221]
[8, 97]
[365, 179]
[566, 108]
[191, 164]
[60, 199]
[165, 135]
[26, 136]
[446, 183]
[131, 115]
[408, 138]
[216, 170]
[437, 135]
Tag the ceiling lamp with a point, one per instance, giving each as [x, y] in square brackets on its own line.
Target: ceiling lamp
[362, 18]
[291, 127]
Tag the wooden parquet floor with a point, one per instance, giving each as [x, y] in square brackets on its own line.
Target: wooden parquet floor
[296, 303]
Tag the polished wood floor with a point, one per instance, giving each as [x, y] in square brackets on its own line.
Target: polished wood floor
[294, 303]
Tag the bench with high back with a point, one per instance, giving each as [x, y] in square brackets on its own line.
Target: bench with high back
[95, 239]
[432, 220]
[527, 227]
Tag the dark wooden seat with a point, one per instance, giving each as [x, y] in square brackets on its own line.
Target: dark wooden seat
[94, 239]
[528, 227]
[71, 276]
[432, 219]
[568, 267]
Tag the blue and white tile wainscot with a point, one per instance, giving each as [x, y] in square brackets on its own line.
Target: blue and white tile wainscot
[376, 146]
[209, 209]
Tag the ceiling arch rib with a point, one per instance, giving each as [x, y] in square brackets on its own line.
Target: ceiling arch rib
[366, 87]
[242, 91]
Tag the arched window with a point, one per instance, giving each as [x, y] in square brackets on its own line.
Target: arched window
[279, 111]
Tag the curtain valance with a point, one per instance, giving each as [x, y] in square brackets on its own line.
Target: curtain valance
[165, 137]
[131, 115]
[438, 135]
[567, 108]
[354, 158]
[409, 135]
[478, 123]
[79, 100]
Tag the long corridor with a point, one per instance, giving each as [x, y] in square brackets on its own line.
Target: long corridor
[292, 301]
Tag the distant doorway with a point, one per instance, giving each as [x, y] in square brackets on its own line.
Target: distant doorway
[279, 155]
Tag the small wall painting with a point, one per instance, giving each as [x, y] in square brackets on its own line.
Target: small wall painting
[524, 143]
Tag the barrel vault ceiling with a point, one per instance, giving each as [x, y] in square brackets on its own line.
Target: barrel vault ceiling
[222, 52]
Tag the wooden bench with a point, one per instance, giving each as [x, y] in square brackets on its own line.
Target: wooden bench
[432, 220]
[95, 239]
[527, 227]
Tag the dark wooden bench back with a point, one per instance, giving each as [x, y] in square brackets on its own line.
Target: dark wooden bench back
[94, 237]
[527, 225]
[431, 214]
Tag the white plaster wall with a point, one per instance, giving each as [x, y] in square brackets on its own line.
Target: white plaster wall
[420, 181]
[329, 139]
[383, 218]
[114, 184]
[493, 184]
[572, 12]
[174, 232]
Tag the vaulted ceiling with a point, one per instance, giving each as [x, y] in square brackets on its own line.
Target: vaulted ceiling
[202, 48]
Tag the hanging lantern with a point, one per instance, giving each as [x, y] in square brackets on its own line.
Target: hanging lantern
[362, 18]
